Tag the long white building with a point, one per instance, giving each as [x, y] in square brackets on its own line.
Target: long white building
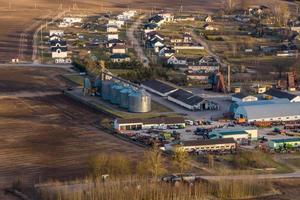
[269, 112]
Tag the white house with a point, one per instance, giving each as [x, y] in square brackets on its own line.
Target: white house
[56, 33]
[59, 52]
[209, 19]
[173, 60]
[118, 49]
[168, 17]
[71, 20]
[112, 29]
[111, 36]
[54, 38]
[114, 22]
[242, 97]
[209, 27]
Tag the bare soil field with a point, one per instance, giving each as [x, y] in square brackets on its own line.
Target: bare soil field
[48, 137]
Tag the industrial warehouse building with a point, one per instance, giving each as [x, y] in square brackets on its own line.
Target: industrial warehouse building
[148, 123]
[190, 101]
[237, 104]
[269, 112]
[158, 87]
[275, 93]
[284, 143]
[181, 97]
[240, 135]
[225, 144]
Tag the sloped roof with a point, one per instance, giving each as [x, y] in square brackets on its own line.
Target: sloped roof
[186, 97]
[280, 94]
[158, 86]
[241, 95]
[270, 110]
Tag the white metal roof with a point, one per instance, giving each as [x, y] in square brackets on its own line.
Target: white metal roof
[270, 110]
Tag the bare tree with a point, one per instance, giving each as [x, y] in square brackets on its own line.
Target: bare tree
[153, 162]
[181, 159]
[230, 6]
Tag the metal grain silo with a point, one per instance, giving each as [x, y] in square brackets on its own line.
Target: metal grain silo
[106, 89]
[124, 97]
[115, 94]
[87, 86]
[139, 102]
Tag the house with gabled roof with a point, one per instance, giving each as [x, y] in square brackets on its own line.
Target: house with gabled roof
[174, 60]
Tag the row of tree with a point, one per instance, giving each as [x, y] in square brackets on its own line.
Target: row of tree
[153, 164]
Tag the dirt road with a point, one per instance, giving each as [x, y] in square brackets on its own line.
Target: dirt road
[135, 42]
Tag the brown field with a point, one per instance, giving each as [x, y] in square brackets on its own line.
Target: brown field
[47, 136]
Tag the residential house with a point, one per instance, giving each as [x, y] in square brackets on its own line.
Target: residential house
[243, 97]
[149, 27]
[59, 33]
[157, 44]
[173, 60]
[111, 36]
[114, 22]
[159, 20]
[111, 43]
[118, 49]
[55, 38]
[58, 43]
[209, 19]
[187, 38]
[166, 52]
[184, 18]
[59, 52]
[112, 29]
[206, 64]
[201, 77]
[119, 58]
[168, 17]
[209, 27]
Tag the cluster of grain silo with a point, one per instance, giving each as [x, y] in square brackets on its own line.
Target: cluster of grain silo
[135, 100]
